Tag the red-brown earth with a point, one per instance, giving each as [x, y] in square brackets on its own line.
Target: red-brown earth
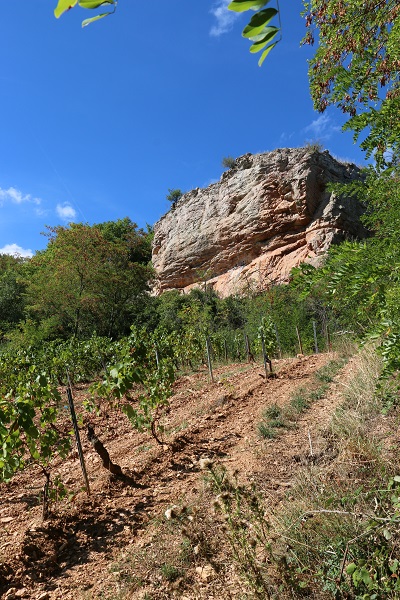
[117, 542]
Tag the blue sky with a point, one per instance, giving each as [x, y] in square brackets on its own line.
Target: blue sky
[98, 123]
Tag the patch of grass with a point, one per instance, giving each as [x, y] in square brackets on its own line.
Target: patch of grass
[170, 572]
[275, 417]
[181, 427]
[337, 533]
[272, 412]
[327, 373]
[318, 393]
[266, 431]
[300, 400]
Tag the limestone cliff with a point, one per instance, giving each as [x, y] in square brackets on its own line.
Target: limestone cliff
[269, 213]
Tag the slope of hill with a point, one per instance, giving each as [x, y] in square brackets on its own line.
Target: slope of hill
[121, 542]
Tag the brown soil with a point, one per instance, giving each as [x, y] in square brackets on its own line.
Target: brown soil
[102, 545]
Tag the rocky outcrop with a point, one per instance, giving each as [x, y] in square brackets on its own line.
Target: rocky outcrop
[269, 213]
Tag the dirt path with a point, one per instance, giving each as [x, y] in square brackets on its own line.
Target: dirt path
[72, 554]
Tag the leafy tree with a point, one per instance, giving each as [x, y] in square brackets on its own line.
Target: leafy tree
[11, 292]
[361, 281]
[90, 278]
[356, 66]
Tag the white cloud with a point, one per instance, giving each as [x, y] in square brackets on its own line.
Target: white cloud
[14, 250]
[224, 18]
[16, 196]
[66, 212]
[322, 128]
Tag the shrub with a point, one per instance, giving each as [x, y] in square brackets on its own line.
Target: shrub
[228, 162]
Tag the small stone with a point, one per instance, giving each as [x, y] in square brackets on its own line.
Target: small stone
[205, 463]
[206, 573]
[170, 513]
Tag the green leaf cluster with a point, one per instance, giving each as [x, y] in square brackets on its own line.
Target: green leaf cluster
[258, 30]
[356, 68]
[65, 5]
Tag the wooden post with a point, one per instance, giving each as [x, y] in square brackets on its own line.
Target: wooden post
[78, 439]
[208, 348]
[226, 350]
[278, 341]
[247, 346]
[265, 357]
[299, 338]
[315, 337]
[157, 358]
[328, 338]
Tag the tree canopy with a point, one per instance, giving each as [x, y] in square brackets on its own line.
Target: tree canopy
[89, 278]
[356, 68]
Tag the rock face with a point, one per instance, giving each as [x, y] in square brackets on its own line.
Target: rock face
[269, 213]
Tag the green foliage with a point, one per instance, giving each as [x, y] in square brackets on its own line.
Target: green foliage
[140, 382]
[228, 162]
[360, 282]
[258, 30]
[90, 279]
[266, 331]
[28, 416]
[11, 292]
[356, 67]
[65, 5]
[174, 195]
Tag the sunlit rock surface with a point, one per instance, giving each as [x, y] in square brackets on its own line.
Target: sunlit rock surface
[268, 214]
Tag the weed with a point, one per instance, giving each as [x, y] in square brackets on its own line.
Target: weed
[300, 400]
[318, 393]
[266, 431]
[272, 412]
[170, 572]
[246, 530]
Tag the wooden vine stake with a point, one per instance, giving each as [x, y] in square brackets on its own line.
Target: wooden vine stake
[208, 349]
[328, 338]
[249, 354]
[267, 360]
[299, 338]
[315, 337]
[76, 431]
[278, 341]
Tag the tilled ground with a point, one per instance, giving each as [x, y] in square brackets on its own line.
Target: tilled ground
[110, 544]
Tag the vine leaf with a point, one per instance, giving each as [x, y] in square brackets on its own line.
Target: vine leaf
[242, 5]
[259, 22]
[63, 6]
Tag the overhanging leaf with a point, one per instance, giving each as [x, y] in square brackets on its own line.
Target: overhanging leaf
[265, 53]
[259, 22]
[96, 18]
[63, 6]
[242, 5]
[94, 3]
[268, 37]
